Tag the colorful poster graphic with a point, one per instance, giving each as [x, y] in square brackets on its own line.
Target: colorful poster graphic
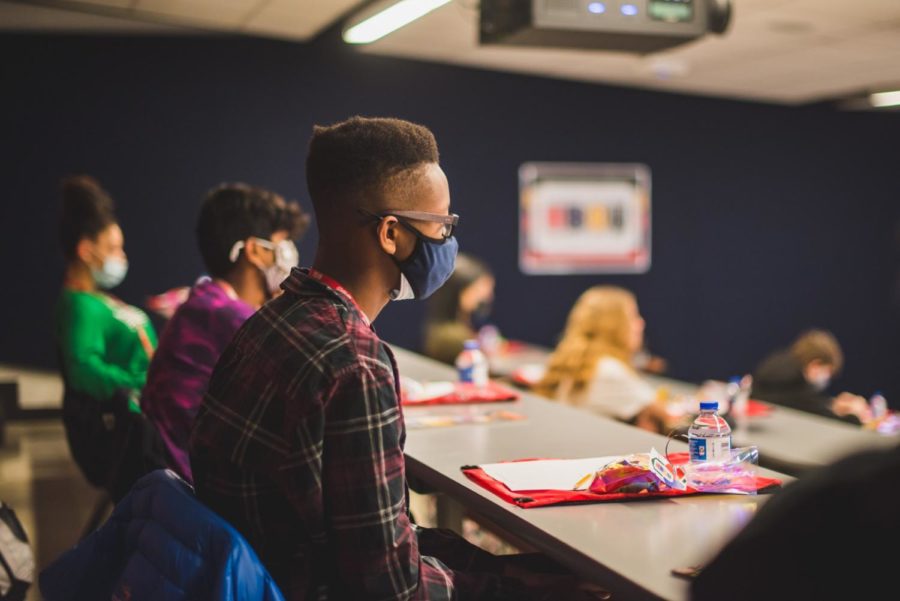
[584, 218]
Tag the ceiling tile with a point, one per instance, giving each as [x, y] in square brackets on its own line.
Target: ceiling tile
[776, 50]
[21, 17]
[111, 3]
[295, 19]
[223, 14]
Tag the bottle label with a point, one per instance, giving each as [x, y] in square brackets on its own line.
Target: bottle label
[467, 374]
[710, 449]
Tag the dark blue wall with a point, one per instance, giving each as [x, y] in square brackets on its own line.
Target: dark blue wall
[767, 219]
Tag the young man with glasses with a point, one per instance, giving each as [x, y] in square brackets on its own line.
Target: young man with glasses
[299, 442]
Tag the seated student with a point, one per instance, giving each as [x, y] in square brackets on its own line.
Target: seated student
[798, 377]
[105, 344]
[592, 364]
[820, 538]
[458, 310]
[299, 441]
[245, 236]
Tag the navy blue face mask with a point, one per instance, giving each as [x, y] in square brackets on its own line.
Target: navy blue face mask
[427, 268]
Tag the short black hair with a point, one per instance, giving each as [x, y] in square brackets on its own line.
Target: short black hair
[354, 163]
[87, 210]
[235, 212]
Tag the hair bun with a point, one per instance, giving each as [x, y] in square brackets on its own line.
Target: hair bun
[86, 210]
[82, 195]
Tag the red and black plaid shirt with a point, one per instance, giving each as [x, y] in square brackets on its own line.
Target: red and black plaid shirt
[299, 444]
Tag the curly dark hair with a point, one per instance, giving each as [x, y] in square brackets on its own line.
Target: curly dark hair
[234, 212]
[361, 161]
[87, 210]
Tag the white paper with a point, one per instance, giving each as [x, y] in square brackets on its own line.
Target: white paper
[419, 391]
[546, 474]
[531, 372]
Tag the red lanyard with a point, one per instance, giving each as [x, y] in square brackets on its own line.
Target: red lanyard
[334, 285]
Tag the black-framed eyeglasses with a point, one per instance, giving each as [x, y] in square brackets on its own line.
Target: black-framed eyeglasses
[449, 221]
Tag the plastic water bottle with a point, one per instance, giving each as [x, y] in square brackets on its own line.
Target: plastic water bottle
[739, 399]
[490, 340]
[878, 404]
[733, 387]
[709, 436]
[472, 365]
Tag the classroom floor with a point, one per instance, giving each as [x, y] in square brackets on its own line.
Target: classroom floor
[39, 480]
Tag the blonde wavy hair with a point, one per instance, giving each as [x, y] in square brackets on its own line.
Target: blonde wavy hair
[598, 326]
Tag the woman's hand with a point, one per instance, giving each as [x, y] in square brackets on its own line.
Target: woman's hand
[852, 404]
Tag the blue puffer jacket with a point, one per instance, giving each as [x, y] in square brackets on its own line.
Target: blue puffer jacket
[160, 544]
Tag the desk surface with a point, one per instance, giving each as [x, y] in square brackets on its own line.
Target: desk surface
[793, 441]
[630, 547]
[789, 440]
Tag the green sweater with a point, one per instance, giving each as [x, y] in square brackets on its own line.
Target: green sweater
[105, 344]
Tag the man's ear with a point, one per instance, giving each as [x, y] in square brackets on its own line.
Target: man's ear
[387, 234]
[255, 253]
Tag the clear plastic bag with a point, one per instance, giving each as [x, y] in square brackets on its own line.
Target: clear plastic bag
[737, 475]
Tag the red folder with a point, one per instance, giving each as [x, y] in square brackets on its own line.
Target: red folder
[758, 408]
[466, 393]
[543, 498]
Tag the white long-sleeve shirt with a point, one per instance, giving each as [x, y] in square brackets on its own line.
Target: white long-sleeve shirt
[616, 391]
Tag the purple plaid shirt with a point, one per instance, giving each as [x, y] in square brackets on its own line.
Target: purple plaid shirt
[299, 444]
[191, 344]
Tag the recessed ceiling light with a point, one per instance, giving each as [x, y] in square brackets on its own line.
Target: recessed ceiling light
[885, 99]
[392, 17]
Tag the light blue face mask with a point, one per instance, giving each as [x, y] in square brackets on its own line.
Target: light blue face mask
[111, 273]
[428, 267]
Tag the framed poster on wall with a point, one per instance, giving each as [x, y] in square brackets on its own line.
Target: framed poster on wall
[584, 218]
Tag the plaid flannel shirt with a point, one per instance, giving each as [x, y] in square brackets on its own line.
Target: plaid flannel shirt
[299, 444]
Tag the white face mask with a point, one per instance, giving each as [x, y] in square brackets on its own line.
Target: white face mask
[286, 258]
[111, 273]
[820, 382]
[818, 376]
[405, 292]
[275, 275]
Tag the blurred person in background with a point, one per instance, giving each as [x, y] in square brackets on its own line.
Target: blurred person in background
[245, 235]
[459, 310]
[798, 377]
[104, 345]
[592, 367]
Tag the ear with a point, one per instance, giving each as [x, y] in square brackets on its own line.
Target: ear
[84, 250]
[387, 234]
[254, 252]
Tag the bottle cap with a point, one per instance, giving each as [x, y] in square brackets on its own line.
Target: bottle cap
[707, 405]
[470, 345]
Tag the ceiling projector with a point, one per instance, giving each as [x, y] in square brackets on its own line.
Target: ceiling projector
[640, 26]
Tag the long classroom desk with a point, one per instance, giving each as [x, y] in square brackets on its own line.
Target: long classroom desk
[629, 547]
[789, 441]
